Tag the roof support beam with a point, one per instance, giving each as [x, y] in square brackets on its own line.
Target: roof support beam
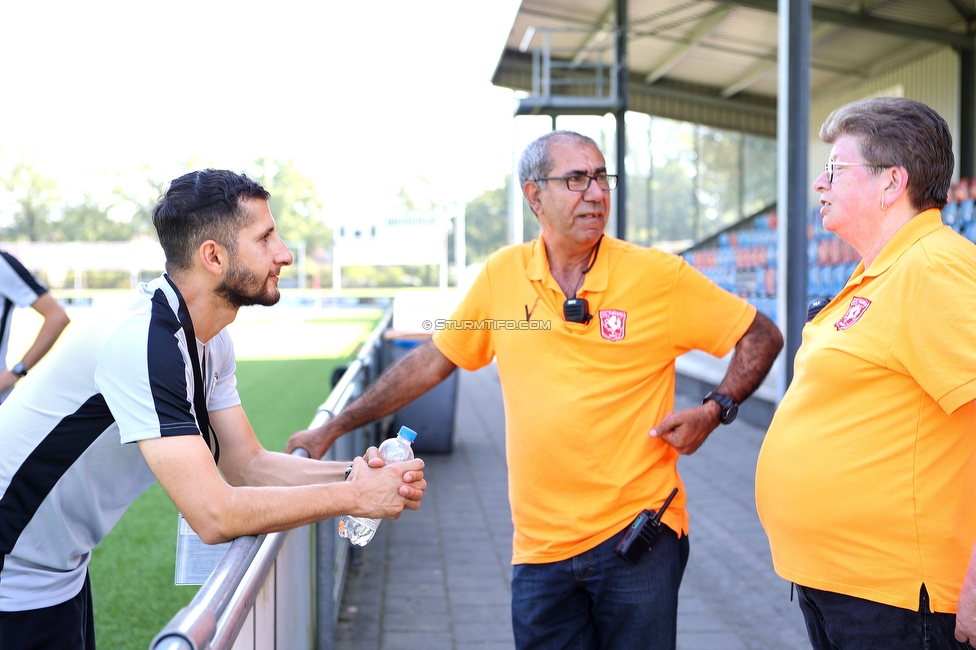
[756, 71]
[596, 37]
[768, 57]
[708, 100]
[707, 24]
[761, 68]
[870, 23]
[963, 10]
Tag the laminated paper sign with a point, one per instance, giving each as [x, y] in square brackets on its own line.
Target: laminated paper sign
[195, 561]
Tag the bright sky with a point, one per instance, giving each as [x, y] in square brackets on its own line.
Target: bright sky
[364, 96]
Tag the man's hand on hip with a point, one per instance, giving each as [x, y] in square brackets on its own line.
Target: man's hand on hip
[686, 430]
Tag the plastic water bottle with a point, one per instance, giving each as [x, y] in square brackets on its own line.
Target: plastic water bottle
[359, 530]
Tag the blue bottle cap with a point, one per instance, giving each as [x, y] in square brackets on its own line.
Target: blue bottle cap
[407, 433]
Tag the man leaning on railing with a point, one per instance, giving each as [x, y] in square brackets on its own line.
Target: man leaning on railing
[160, 374]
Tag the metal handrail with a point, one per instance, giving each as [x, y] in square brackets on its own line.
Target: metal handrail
[215, 616]
[544, 65]
[196, 624]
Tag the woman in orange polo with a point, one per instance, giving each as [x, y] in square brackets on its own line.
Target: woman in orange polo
[866, 482]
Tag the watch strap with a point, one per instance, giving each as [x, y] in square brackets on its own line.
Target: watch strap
[726, 403]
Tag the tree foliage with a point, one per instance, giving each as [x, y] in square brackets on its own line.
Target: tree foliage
[34, 210]
[34, 197]
[416, 197]
[486, 224]
[88, 221]
[294, 202]
[140, 200]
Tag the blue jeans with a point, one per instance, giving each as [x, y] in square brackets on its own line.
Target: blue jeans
[599, 600]
[838, 622]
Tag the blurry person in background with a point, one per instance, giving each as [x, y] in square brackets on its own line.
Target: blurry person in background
[19, 288]
[866, 481]
[949, 211]
[964, 210]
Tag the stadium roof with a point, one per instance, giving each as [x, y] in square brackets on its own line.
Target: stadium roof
[714, 62]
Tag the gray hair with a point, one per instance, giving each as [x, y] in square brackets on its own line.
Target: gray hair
[895, 131]
[536, 161]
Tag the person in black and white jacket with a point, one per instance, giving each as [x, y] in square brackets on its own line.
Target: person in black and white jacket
[19, 288]
[151, 394]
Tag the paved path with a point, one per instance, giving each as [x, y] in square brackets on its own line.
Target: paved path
[439, 578]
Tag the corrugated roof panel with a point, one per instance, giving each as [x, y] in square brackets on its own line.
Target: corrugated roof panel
[589, 12]
[674, 21]
[746, 30]
[936, 13]
[710, 67]
[719, 117]
[564, 34]
[846, 49]
[648, 52]
[766, 84]
[657, 14]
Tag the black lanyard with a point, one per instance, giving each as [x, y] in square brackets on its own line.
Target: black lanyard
[199, 393]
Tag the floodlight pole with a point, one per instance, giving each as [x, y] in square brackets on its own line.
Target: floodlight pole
[460, 245]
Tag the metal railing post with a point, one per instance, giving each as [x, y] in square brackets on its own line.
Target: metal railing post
[546, 65]
[326, 605]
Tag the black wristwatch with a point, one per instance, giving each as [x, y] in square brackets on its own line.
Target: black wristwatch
[730, 408]
[19, 369]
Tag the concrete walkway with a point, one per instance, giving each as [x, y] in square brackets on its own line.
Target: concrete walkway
[439, 578]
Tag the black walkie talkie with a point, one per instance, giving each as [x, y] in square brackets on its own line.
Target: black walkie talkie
[816, 307]
[643, 533]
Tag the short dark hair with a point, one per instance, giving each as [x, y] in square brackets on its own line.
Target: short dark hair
[895, 131]
[202, 205]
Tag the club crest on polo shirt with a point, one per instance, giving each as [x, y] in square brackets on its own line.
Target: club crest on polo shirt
[613, 324]
[854, 313]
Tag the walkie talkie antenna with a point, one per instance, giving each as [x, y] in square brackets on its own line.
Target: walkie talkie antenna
[641, 535]
[657, 517]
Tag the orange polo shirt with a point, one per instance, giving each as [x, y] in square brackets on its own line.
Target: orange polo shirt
[580, 399]
[866, 482]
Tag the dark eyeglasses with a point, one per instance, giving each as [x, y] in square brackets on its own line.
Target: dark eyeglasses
[581, 182]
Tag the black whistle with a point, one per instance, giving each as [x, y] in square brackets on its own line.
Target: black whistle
[643, 533]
